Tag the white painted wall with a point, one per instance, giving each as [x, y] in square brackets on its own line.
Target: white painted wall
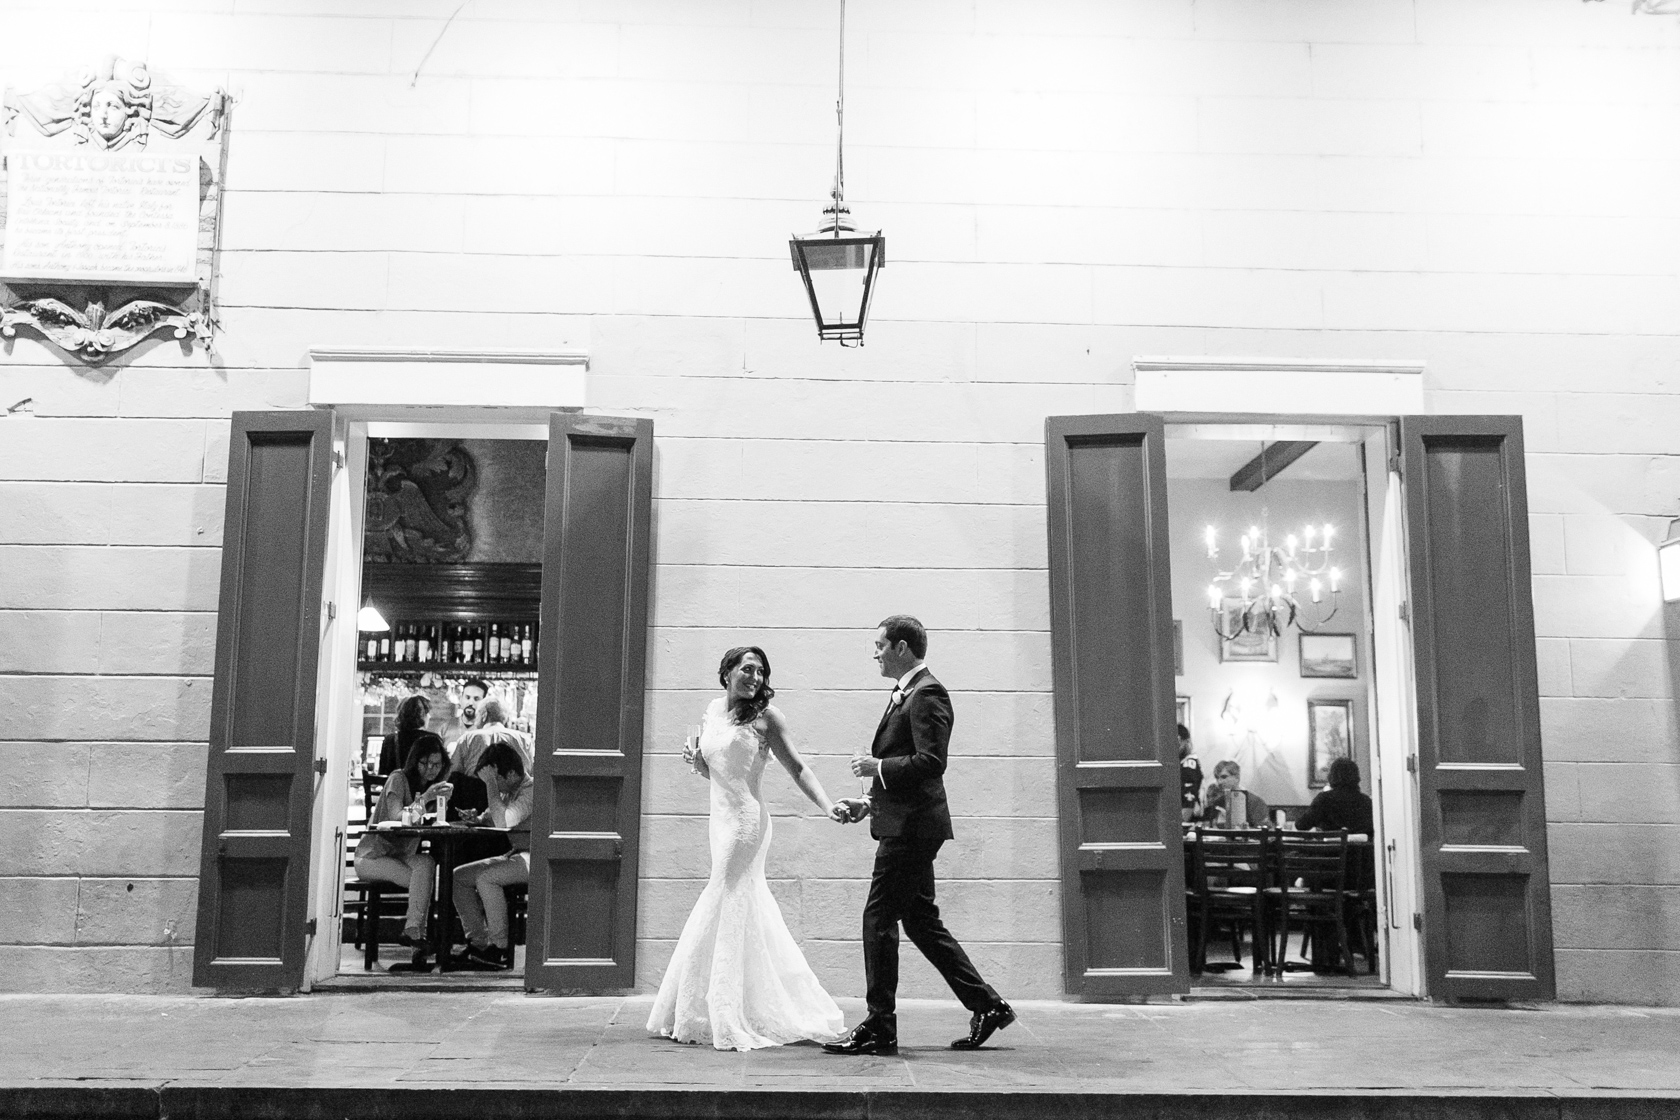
[1482, 185]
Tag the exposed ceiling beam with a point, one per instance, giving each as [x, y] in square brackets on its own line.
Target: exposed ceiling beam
[1271, 461]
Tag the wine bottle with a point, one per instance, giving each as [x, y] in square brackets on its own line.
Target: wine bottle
[423, 645]
[529, 644]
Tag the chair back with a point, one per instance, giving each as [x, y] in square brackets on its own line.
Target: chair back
[372, 786]
[1312, 862]
[1222, 859]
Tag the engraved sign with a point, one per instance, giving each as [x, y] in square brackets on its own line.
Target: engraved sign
[87, 215]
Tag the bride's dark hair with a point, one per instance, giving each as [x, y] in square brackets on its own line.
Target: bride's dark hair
[745, 711]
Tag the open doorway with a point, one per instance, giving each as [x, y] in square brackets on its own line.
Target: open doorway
[1275, 593]
[448, 634]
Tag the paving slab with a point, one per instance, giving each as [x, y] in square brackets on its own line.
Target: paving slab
[411, 1054]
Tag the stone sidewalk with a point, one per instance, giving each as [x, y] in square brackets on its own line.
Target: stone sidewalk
[501, 1053]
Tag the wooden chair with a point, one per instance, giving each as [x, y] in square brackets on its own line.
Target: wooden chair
[1310, 886]
[1228, 875]
[370, 897]
[518, 897]
[1361, 900]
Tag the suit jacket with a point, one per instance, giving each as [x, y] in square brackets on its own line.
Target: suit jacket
[908, 796]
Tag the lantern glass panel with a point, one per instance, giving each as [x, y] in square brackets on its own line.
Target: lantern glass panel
[1668, 564]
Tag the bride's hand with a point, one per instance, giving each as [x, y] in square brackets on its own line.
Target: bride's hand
[696, 761]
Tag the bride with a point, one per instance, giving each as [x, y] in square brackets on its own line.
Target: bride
[737, 978]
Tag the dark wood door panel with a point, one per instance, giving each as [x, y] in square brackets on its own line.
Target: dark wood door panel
[1486, 895]
[1111, 639]
[592, 670]
[254, 866]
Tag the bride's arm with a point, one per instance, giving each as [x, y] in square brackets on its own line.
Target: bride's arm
[781, 745]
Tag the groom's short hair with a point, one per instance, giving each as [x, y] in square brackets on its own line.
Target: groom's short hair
[907, 629]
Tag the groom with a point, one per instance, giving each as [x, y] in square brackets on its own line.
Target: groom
[906, 804]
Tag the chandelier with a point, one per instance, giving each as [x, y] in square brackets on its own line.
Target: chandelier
[1262, 593]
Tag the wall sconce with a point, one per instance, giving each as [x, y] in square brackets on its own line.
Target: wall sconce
[1668, 564]
[837, 263]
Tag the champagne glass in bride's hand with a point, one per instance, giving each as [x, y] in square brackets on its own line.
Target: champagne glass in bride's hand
[691, 752]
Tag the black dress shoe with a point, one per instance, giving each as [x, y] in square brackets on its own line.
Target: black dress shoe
[862, 1041]
[984, 1025]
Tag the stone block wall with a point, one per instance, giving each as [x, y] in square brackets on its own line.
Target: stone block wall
[1483, 184]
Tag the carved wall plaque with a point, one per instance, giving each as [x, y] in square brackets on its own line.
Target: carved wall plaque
[110, 209]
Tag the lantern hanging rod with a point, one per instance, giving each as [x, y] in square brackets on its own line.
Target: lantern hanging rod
[838, 208]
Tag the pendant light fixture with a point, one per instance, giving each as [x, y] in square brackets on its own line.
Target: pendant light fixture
[368, 619]
[837, 263]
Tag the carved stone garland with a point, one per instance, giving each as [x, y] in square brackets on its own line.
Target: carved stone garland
[102, 243]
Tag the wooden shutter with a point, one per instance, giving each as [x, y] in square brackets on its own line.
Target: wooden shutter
[1487, 924]
[1116, 744]
[254, 872]
[587, 821]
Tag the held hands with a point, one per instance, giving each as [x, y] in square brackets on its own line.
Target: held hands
[849, 810]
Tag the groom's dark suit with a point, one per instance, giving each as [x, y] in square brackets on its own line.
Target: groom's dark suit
[910, 818]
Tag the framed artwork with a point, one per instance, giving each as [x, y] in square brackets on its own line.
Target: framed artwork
[1329, 737]
[1328, 655]
[1178, 648]
[1184, 710]
[1248, 645]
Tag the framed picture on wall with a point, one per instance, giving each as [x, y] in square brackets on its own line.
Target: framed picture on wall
[1178, 647]
[1328, 655]
[1247, 645]
[1329, 737]
[1184, 710]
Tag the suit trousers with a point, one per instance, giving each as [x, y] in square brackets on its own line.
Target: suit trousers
[901, 891]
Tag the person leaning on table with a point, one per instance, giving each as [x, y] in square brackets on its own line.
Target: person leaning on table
[478, 885]
[397, 859]
[1227, 779]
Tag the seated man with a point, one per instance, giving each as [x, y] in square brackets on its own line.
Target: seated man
[1227, 793]
[478, 885]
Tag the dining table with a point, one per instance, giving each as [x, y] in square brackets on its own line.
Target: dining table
[444, 842]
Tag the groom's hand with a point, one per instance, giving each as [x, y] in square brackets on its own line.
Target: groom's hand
[865, 766]
[849, 810]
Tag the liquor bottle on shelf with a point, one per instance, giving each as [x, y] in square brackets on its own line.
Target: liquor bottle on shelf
[424, 646]
[370, 647]
[385, 646]
[493, 651]
[527, 648]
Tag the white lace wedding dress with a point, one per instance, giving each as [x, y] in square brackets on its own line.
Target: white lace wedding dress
[737, 978]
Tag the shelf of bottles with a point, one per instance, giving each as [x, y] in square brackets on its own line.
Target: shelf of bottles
[478, 648]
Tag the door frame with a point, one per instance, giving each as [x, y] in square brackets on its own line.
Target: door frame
[1391, 715]
[340, 725]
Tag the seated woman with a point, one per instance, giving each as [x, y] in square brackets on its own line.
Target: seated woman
[1227, 778]
[397, 859]
[1342, 805]
[478, 886]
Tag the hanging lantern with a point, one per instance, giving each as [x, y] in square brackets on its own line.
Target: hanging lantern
[837, 263]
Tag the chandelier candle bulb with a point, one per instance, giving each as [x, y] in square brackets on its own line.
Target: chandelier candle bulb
[1213, 596]
[1335, 579]
[1291, 542]
[1313, 587]
[1213, 552]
